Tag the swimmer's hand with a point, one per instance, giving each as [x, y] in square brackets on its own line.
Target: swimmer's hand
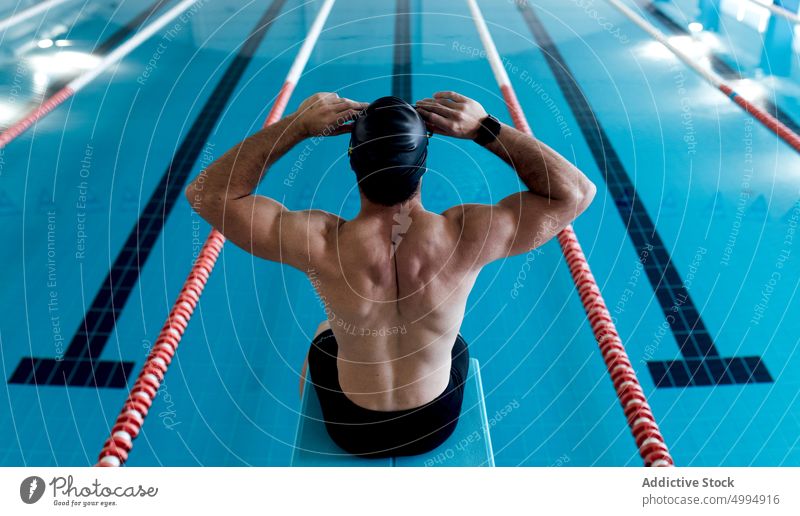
[326, 114]
[452, 114]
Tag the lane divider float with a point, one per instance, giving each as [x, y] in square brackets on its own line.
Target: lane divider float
[131, 418]
[767, 120]
[641, 420]
[82, 80]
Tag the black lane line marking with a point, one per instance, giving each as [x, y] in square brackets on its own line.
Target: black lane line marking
[80, 366]
[401, 69]
[701, 364]
[719, 65]
[126, 30]
[113, 373]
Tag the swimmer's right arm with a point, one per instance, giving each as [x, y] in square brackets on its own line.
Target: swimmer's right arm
[557, 191]
[224, 193]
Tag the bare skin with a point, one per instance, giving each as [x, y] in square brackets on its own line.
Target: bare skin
[395, 279]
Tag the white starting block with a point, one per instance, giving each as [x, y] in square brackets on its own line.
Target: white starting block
[470, 444]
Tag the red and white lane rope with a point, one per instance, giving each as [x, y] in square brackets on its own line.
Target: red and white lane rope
[640, 417]
[778, 10]
[104, 64]
[131, 418]
[30, 12]
[769, 121]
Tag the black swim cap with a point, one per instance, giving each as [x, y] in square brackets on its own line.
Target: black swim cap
[388, 148]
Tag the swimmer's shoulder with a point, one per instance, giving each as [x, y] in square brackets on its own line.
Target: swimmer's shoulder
[469, 224]
[320, 233]
[457, 219]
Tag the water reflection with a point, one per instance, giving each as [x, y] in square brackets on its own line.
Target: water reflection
[759, 41]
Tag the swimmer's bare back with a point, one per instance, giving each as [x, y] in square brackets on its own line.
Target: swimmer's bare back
[394, 280]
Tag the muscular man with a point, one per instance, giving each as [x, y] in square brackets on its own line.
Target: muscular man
[389, 363]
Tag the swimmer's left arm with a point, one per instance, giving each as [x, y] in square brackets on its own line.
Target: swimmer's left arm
[557, 191]
[223, 194]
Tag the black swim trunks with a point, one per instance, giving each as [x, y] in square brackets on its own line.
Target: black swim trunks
[375, 434]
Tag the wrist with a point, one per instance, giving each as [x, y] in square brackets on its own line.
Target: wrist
[297, 127]
[487, 131]
[473, 133]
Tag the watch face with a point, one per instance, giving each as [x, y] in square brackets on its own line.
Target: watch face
[488, 130]
[494, 125]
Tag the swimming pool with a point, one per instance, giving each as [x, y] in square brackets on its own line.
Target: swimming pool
[691, 237]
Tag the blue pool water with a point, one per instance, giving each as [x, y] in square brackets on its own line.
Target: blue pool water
[691, 237]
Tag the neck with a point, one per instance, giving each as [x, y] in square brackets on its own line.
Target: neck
[370, 209]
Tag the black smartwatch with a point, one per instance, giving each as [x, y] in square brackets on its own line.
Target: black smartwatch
[488, 131]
